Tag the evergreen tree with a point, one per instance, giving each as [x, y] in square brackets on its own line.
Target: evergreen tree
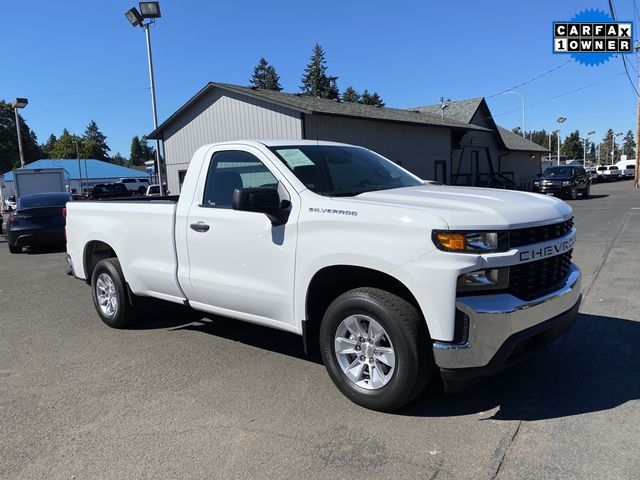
[265, 76]
[94, 143]
[350, 95]
[315, 81]
[147, 152]
[572, 147]
[48, 147]
[371, 99]
[607, 148]
[9, 152]
[135, 157]
[118, 159]
[65, 147]
[629, 145]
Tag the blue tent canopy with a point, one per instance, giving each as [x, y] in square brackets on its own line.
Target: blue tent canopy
[90, 168]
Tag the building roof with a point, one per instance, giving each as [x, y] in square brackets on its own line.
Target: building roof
[513, 141]
[464, 111]
[310, 105]
[90, 169]
[460, 110]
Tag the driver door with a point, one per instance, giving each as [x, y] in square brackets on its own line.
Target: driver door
[240, 265]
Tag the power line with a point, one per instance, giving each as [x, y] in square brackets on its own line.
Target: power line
[531, 79]
[612, 10]
[560, 95]
[95, 92]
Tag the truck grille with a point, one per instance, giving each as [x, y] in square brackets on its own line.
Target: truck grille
[534, 279]
[527, 236]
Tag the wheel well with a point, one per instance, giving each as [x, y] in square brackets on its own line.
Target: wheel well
[93, 253]
[331, 282]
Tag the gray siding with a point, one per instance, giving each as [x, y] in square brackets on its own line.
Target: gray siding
[524, 168]
[220, 117]
[414, 147]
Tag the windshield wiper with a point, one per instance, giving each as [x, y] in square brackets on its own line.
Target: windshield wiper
[353, 193]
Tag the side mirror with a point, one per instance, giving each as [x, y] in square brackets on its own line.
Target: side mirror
[263, 200]
[538, 175]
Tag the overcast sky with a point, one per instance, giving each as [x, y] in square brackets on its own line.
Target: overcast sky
[78, 61]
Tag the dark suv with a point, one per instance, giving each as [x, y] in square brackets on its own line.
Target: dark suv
[566, 181]
[109, 190]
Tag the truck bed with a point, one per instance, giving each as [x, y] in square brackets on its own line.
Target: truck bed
[140, 230]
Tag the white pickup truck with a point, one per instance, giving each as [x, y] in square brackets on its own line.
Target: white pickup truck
[395, 280]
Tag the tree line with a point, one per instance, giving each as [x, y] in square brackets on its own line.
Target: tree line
[572, 147]
[92, 143]
[315, 81]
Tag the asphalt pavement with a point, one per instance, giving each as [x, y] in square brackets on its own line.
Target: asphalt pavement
[183, 397]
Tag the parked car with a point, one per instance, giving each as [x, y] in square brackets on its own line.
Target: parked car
[135, 185]
[109, 190]
[393, 281]
[566, 181]
[593, 173]
[10, 203]
[609, 172]
[153, 190]
[37, 219]
[629, 171]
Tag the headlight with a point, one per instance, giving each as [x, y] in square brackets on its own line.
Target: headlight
[471, 242]
[536, 182]
[566, 183]
[490, 279]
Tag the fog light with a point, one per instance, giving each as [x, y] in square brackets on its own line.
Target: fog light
[486, 279]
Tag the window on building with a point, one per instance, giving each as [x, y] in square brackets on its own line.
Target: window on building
[181, 175]
[234, 169]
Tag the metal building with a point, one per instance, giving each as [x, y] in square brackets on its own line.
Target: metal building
[452, 148]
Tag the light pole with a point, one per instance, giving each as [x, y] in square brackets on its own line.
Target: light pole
[79, 168]
[150, 11]
[16, 104]
[613, 151]
[550, 134]
[559, 121]
[584, 156]
[522, 99]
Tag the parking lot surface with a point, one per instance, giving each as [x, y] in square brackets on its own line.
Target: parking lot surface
[182, 397]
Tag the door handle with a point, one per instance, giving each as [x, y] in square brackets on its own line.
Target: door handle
[199, 227]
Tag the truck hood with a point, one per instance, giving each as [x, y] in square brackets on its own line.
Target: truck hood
[473, 208]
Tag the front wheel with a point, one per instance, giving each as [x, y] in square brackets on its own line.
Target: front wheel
[375, 348]
[15, 248]
[587, 191]
[109, 292]
[573, 193]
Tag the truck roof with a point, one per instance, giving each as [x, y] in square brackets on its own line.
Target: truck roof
[280, 143]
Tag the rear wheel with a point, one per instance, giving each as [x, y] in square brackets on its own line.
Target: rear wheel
[110, 295]
[15, 248]
[142, 190]
[375, 348]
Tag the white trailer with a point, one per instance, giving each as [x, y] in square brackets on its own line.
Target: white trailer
[41, 180]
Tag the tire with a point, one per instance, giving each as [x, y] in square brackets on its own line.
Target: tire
[587, 191]
[110, 295]
[573, 193]
[406, 364]
[15, 248]
[142, 190]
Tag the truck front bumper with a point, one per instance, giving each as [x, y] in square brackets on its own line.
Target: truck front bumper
[504, 330]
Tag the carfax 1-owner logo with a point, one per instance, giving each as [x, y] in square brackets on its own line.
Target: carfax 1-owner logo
[592, 37]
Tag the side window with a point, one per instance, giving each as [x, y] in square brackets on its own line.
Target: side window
[230, 170]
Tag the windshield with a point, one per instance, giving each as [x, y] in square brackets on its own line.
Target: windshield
[558, 172]
[333, 170]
